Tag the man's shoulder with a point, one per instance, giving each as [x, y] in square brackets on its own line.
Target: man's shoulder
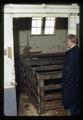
[74, 49]
[73, 52]
[77, 47]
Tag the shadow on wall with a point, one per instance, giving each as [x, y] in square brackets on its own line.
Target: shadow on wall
[10, 107]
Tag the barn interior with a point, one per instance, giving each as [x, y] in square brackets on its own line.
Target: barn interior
[35, 42]
[39, 39]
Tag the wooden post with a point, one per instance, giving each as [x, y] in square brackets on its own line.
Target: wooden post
[41, 87]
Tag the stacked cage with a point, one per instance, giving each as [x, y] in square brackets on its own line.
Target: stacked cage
[43, 74]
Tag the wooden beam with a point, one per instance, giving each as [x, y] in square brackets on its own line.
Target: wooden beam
[53, 96]
[52, 87]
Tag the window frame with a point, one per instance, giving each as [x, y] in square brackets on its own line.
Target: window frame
[36, 27]
[50, 27]
[43, 19]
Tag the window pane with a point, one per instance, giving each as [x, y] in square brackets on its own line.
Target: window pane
[33, 31]
[46, 30]
[51, 30]
[49, 25]
[39, 23]
[36, 25]
[38, 31]
[50, 21]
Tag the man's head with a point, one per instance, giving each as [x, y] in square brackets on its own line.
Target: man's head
[71, 40]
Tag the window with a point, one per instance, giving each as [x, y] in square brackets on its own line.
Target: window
[49, 25]
[43, 25]
[36, 25]
[61, 23]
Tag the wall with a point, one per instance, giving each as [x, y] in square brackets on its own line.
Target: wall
[49, 43]
[43, 43]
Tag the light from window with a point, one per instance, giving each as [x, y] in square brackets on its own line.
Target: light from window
[36, 25]
[49, 25]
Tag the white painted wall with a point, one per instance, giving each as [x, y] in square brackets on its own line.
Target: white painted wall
[73, 20]
[45, 44]
[49, 43]
[23, 40]
[10, 107]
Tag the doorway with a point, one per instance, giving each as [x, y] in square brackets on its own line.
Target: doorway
[35, 43]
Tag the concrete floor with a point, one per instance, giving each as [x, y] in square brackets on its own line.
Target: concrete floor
[27, 109]
[10, 108]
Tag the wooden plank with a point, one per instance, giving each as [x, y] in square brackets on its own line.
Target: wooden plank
[53, 107]
[34, 63]
[53, 96]
[50, 57]
[50, 67]
[53, 102]
[51, 87]
[34, 53]
[51, 63]
[47, 55]
[57, 104]
[50, 75]
[50, 72]
[44, 75]
[46, 58]
[41, 87]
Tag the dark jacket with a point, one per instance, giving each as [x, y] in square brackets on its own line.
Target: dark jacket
[70, 77]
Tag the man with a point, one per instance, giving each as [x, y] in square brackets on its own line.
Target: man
[70, 77]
